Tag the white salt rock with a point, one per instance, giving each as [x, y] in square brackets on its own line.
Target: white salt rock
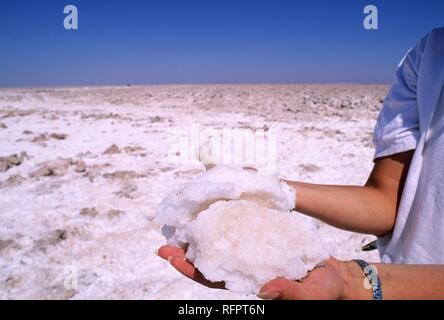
[246, 244]
[183, 204]
[251, 185]
[238, 229]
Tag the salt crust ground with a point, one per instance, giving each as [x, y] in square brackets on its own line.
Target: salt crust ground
[96, 168]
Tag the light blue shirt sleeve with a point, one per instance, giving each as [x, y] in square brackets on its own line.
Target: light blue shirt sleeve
[397, 129]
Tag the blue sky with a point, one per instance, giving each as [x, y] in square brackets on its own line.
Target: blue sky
[212, 41]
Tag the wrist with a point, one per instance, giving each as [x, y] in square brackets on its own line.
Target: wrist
[353, 281]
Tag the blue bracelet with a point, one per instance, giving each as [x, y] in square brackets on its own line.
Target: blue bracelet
[375, 282]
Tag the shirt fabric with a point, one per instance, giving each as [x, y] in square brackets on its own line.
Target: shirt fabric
[412, 117]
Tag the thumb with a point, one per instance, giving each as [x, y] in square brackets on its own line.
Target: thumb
[282, 289]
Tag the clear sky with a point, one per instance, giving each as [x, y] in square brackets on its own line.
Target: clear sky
[211, 41]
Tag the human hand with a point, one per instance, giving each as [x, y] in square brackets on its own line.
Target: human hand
[176, 257]
[324, 282]
[327, 281]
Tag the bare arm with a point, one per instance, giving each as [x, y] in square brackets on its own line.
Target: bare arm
[366, 209]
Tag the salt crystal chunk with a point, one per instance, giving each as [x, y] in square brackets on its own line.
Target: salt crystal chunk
[182, 205]
[246, 244]
[222, 182]
[238, 229]
[251, 185]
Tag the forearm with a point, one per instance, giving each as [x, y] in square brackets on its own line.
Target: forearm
[359, 209]
[368, 209]
[398, 281]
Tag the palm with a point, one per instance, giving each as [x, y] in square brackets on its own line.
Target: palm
[323, 282]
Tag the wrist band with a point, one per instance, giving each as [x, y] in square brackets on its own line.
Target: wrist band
[373, 278]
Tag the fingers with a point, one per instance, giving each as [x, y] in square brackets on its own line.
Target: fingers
[170, 251]
[183, 266]
[322, 282]
[176, 257]
[281, 288]
[187, 269]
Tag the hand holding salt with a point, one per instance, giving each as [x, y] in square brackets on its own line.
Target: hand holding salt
[238, 228]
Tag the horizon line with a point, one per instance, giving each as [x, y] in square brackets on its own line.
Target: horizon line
[129, 85]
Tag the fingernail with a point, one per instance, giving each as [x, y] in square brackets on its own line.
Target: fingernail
[156, 252]
[170, 258]
[268, 295]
